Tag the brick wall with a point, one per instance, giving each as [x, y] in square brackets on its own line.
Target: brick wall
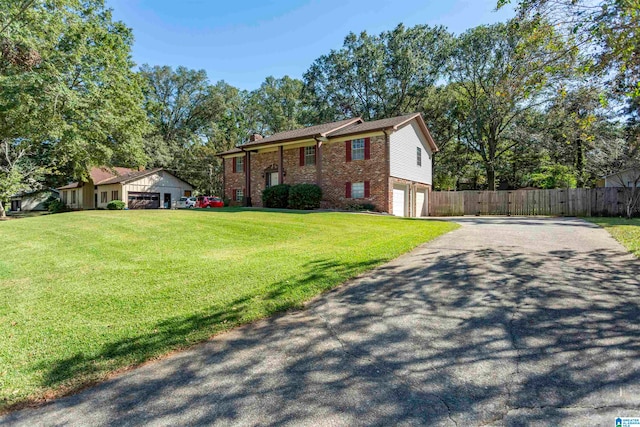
[296, 174]
[232, 181]
[259, 163]
[336, 172]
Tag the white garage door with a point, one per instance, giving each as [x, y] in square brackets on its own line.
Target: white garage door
[420, 204]
[399, 201]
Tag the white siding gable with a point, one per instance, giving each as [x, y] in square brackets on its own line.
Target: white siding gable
[403, 154]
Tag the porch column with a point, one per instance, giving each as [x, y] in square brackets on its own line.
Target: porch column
[247, 197]
[280, 165]
[319, 163]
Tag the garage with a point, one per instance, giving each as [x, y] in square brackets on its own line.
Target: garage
[421, 203]
[399, 200]
[139, 200]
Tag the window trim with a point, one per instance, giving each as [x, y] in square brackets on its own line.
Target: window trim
[359, 194]
[115, 195]
[238, 194]
[238, 164]
[359, 149]
[309, 153]
[103, 197]
[419, 156]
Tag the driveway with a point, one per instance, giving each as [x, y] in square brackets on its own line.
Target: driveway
[506, 321]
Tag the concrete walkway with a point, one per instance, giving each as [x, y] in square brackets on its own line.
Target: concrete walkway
[506, 321]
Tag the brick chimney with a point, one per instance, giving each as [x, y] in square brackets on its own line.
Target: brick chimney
[255, 137]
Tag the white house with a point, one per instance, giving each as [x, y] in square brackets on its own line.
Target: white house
[139, 189]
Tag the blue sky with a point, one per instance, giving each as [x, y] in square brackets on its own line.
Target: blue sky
[244, 41]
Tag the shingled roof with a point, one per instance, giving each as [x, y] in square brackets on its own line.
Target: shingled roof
[336, 129]
[128, 177]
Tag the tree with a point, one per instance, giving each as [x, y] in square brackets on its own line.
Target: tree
[66, 87]
[607, 29]
[377, 76]
[499, 73]
[191, 121]
[619, 159]
[276, 106]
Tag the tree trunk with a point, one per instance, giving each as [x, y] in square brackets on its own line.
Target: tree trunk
[579, 162]
[3, 214]
[491, 178]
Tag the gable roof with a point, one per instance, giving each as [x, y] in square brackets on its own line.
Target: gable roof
[303, 133]
[393, 123]
[129, 176]
[101, 174]
[336, 129]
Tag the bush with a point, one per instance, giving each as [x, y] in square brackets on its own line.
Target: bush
[116, 205]
[305, 196]
[276, 196]
[362, 207]
[56, 206]
[226, 202]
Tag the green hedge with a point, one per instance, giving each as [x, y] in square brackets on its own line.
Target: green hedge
[276, 196]
[305, 196]
[116, 205]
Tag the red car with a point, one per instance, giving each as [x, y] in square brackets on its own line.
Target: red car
[209, 202]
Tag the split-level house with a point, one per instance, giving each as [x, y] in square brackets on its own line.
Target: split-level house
[386, 163]
[139, 189]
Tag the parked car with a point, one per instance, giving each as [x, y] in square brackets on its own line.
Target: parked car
[186, 202]
[209, 202]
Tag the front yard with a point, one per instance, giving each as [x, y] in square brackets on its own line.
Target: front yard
[626, 231]
[84, 294]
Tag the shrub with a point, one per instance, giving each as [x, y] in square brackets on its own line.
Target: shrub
[226, 202]
[305, 196]
[56, 206]
[362, 207]
[276, 196]
[116, 205]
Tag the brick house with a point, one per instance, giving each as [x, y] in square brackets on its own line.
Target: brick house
[387, 163]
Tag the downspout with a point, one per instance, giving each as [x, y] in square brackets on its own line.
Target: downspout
[387, 181]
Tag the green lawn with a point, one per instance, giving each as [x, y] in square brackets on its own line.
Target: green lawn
[85, 293]
[625, 231]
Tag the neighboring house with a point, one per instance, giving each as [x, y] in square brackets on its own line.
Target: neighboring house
[140, 189]
[626, 178]
[387, 163]
[33, 200]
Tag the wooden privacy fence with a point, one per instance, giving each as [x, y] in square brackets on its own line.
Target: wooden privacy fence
[557, 202]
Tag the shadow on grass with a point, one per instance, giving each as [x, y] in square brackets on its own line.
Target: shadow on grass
[487, 337]
[182, 332]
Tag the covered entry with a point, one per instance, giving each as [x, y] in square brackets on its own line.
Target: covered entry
[144, 200]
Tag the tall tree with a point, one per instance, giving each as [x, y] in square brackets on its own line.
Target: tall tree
[67, 89]
[499, 73]
[607, 30]
[276, 106]
[377, 76]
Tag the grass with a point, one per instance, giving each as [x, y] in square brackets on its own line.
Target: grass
[625, 231]
[86, 293]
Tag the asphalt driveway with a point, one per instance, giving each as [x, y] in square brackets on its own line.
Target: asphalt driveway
[506, 321]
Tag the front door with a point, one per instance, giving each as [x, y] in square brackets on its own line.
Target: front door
[167, 200]
[272, 179]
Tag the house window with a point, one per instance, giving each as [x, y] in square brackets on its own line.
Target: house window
[187, 193]
[239, 195]
[357, 149]
[65, 197]
[271, 178]
[310, 155]
[419, 153]
[238, 164]
[357, 190]
[103, 197]
[114, 195]
[73, 197]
